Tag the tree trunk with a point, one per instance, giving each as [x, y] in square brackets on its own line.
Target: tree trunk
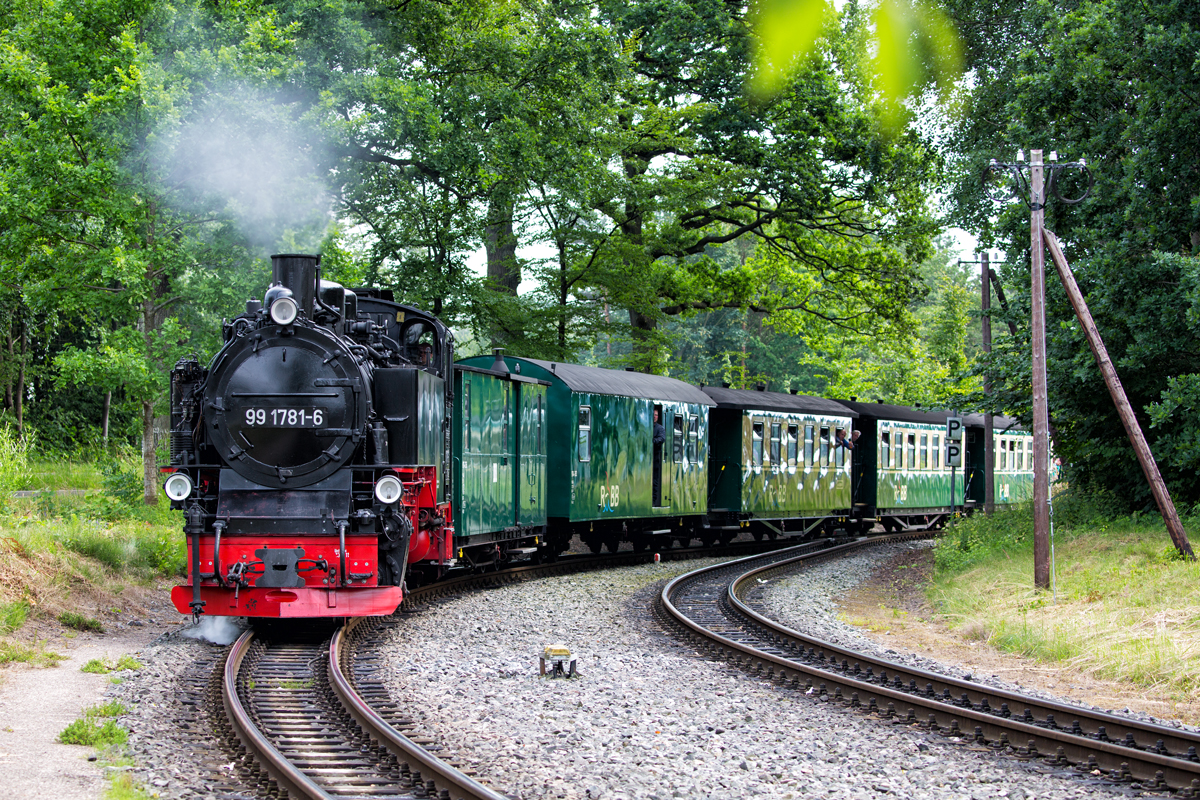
[8, 385]
[149, 467]
[20, 398]
[645, 347]
[107, 408]
[500, 242]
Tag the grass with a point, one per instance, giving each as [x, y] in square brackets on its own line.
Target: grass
[122, 786]
[12, 616]
[65, 474]
[79, 622]
[99, 666]
[1127, 608]
[34, 655]
[97, 727]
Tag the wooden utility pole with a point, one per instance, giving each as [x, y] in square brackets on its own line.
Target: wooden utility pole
[1041, 408]
[1132, 428]
[989, 454]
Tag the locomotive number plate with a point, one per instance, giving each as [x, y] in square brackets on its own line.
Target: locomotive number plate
[285, 417]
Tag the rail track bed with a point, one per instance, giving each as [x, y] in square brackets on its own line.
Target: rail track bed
[714, 607]
[312, 716]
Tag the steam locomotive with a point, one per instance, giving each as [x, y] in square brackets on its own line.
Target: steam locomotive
[333, 452]
[308, 456]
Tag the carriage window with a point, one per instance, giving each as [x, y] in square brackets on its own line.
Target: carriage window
[756, 445]
[824, 445]
[466, 406]
[912, 451]
[538, 412]
[808, 445]
[935, 452]
[585, 433]
[924, 451]
[885, 450]
[1003, 455]
[1020, 455]
[776, 429]
[839, 456]
[793, 434]
[898, 448]
[504, 414]
[693, 440]
[677, 437]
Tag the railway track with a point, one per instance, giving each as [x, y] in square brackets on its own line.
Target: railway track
[317, 721]
[713, 607]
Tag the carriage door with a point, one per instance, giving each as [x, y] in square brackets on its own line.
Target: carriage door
[530, 479]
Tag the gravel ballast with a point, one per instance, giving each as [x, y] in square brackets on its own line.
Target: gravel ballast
[650, 718]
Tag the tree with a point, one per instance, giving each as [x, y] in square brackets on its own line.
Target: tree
[98, 225]
[1109, 81]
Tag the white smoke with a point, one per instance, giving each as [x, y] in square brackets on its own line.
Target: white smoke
[216, 630]
[249, 157]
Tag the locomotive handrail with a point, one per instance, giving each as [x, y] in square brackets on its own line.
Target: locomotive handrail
[432, 768]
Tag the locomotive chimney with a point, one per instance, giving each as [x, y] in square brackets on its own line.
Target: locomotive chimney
[297, 272]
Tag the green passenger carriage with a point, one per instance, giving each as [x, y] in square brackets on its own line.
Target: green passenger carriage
[776, 465]
[608, 482]
[1012, 461]
[901, 478]
[499, 471]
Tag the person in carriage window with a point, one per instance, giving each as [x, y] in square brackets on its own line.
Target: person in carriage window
[840, 440]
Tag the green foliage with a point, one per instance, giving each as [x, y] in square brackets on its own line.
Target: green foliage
[13, 616]
[123, 787]
[1099, 80]
[79, 622]
[972, 540]
[137, 547]
[912, 42]
[90, 731]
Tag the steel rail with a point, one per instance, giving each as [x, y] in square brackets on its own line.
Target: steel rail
[445, 777]
[1154, 769]
[282, 771]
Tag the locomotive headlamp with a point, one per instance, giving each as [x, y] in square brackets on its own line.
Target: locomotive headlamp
[284, 311]
[178, 487]
[388, 489]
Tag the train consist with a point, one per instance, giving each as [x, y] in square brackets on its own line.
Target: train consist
[333, 452]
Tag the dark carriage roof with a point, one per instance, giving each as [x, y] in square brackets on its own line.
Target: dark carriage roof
[1000, 423]
[775, 401]
[886, 411]
[597, 380]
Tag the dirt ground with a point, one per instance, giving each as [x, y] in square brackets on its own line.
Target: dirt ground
[892, 609]
[36, 704]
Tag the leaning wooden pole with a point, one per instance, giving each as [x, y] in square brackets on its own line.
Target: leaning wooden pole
[1132, 428]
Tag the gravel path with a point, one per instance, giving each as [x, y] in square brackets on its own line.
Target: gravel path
[649, 718]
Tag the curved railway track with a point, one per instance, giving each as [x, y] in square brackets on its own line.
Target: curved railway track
[316, 721]
[713, 607]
